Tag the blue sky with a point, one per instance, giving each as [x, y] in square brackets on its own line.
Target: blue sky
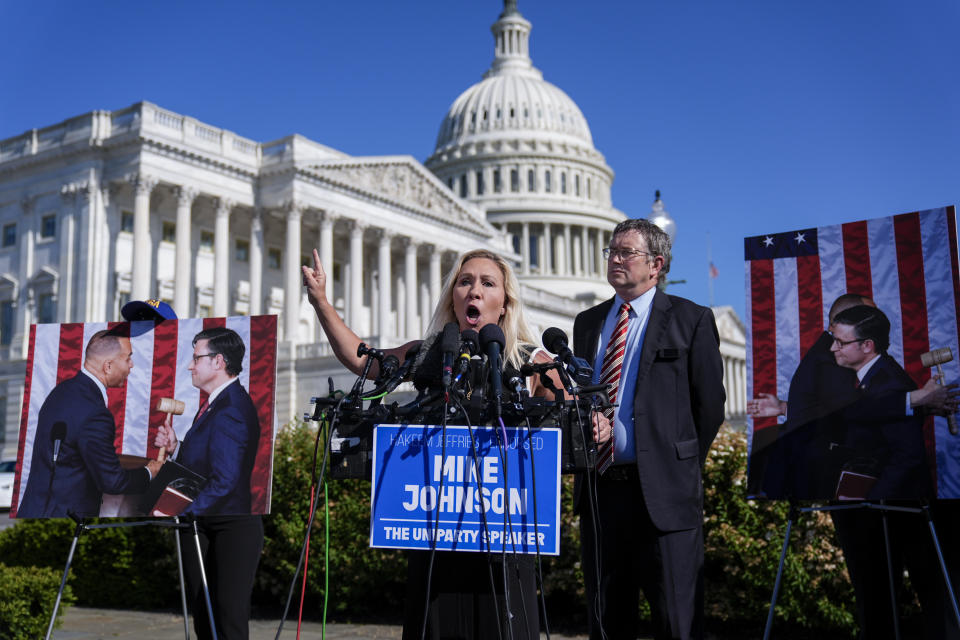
[750, 117]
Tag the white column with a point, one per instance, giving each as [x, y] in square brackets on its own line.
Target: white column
[435, 256]
[567, 263]
[140, 284]
[742, 377]
[256, 262]
[384, 284]
[26, 311]
[183, 281]
[547, 254]
[291, 273]
[221, 259]
[584, 268]
[728, 386]
[326, 249]
[356, 276]
[67, 260]
[600, 262]
[525, 246]
[411, 329]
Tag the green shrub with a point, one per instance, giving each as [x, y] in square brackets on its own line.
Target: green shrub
[27, 599]
[132, 567]
[743, 540]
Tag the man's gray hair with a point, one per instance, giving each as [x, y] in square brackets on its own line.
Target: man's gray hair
[657, 241]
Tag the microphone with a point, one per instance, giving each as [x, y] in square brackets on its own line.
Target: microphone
[58, 433]
[514, 381]
[449, 344]
[398, 375]
[493, 342]
[555, 341]
[469, 347]
[364, 350]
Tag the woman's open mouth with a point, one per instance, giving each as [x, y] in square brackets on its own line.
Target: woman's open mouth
[473, 314]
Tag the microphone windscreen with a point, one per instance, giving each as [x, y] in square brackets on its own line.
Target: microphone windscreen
[470, 340]
[58, 431]
[492, 333]
[450, 338]
[554, 340]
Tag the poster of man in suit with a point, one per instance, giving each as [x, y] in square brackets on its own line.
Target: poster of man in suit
[103, 460]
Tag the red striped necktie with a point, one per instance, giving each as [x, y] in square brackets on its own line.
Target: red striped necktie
[202, 410]
[610, 374]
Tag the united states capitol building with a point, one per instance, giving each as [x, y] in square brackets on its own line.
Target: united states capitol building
[141, 202]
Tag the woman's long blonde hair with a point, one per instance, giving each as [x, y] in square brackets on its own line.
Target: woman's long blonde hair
[519, 339]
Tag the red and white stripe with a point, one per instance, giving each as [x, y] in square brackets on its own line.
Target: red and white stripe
[161, 357]
[907, 263]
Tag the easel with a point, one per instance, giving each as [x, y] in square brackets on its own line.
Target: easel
[173, 523]
[884, 509]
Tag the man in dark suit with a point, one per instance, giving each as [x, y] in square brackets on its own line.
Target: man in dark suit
[74, 461]
[221, 446]
[642, 518]
[890, 450]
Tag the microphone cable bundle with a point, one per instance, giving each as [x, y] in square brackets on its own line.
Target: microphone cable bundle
[461, 380]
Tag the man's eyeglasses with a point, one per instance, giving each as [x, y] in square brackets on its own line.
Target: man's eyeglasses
[625, 255]
[842, 343]
[197, 357]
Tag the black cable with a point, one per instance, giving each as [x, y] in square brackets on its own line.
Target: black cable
[536, 526]
[436, 521]
[507, 524]
[483, 517]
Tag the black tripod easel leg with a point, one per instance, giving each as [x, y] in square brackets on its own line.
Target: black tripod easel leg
[203, 580]
[66, 571]
[893, 589]
[794, 514]
[943, 564]
[183, 586]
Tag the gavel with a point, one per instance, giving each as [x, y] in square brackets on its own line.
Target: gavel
[934, 359]
[176, 407]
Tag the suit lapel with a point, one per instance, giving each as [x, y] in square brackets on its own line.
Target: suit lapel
[593, 325]
[656, 327]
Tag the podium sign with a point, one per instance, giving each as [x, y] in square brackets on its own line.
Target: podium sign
[433, 485]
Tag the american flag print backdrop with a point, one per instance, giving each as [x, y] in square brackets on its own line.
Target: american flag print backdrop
[907, 263]
[161, 355]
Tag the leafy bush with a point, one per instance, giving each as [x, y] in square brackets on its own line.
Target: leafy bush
[743, 540]
[27, 601]
[132, 567]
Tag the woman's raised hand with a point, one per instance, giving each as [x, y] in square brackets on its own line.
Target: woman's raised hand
[315, 280]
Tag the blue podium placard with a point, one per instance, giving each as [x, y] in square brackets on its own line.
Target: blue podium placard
[432, 484]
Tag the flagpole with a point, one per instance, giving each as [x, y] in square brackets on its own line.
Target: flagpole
[710, 269]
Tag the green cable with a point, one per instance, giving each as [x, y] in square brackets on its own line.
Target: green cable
[326, 551]
[377, 397]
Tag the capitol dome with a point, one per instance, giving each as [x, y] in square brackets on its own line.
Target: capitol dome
[513, 97]
[520, 148]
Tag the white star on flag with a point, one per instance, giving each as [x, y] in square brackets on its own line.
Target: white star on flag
[768, 241]
[801, 238]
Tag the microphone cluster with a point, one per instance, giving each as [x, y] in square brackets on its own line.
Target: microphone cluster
[465, 370]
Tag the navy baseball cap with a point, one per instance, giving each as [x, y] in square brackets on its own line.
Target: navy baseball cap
[148, 310]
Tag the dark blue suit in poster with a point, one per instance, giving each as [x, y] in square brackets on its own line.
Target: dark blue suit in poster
[430, 483]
